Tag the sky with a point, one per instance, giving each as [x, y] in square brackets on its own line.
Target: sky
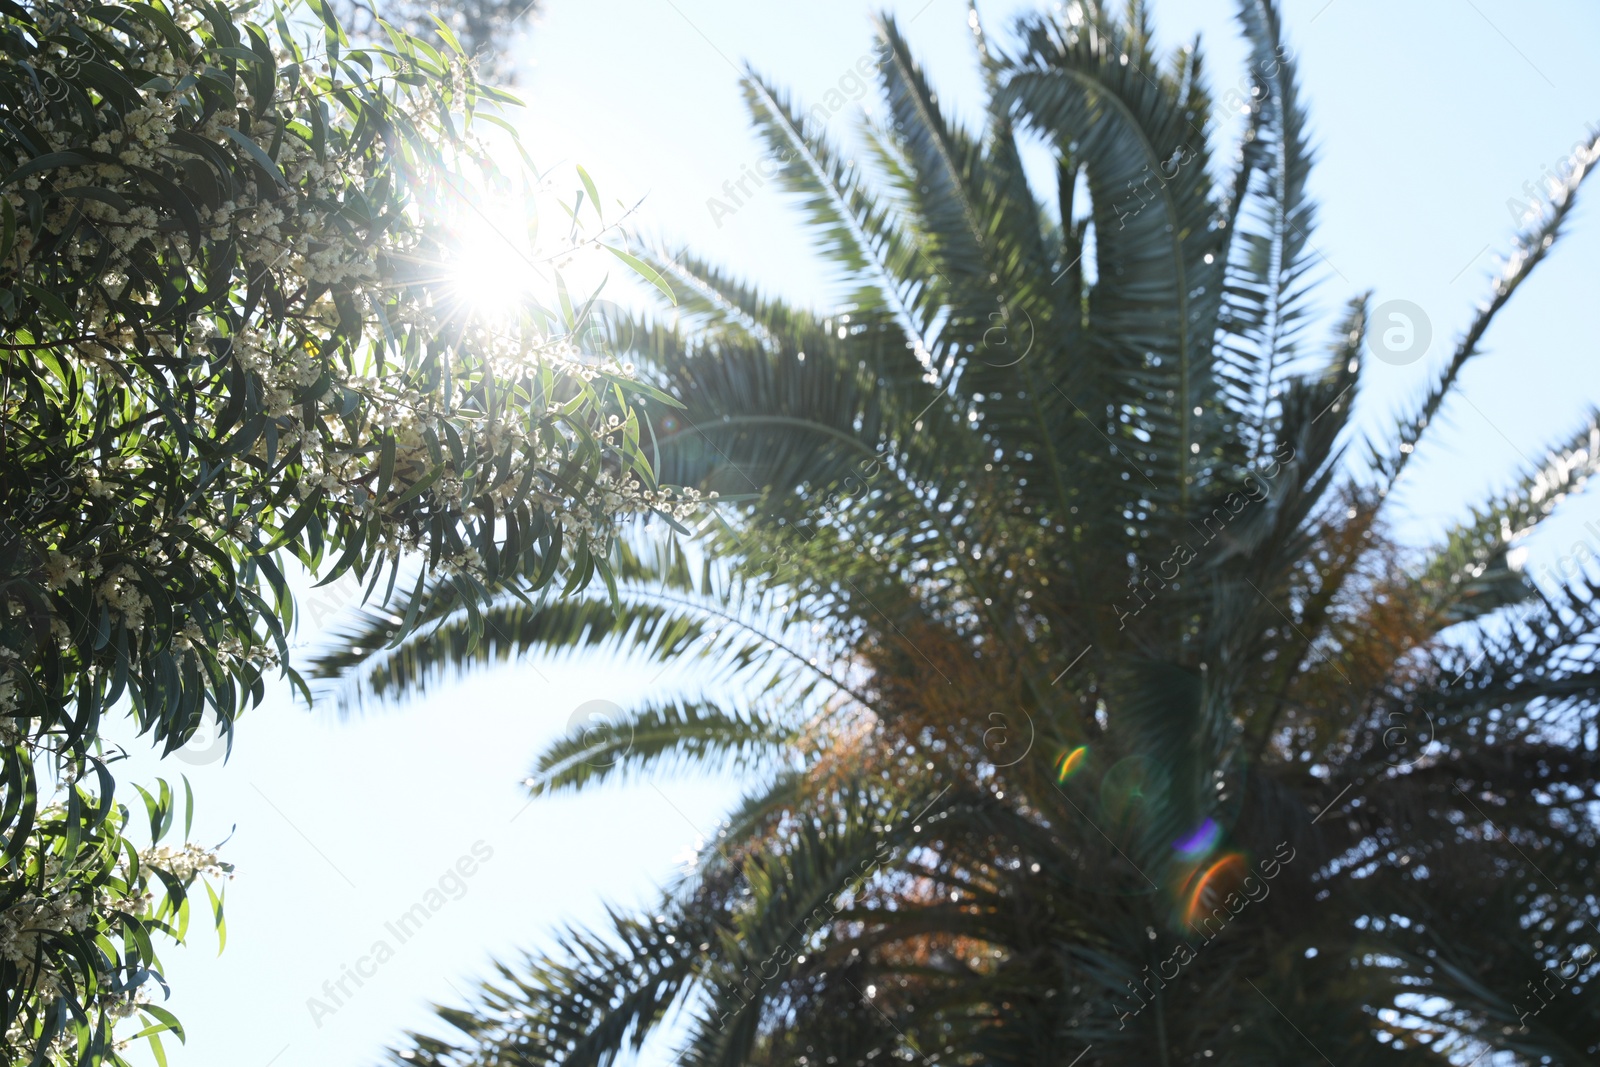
[1428, 120]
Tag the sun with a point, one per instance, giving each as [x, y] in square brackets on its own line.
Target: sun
[499, 263]
[492, 269]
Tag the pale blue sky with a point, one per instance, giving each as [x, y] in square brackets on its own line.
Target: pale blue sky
[1428, 118]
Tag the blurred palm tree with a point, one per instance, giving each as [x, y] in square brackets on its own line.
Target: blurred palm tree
[1092, 716]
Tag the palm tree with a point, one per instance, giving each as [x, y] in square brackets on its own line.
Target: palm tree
[1090, 715]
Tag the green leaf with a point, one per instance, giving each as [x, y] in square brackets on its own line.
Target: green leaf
[255, 152]
[48, 161]
[386, 460]
[594, 196]
[645, 271]
[167, 1021]
[105, 196]
[218, 918]
[447, 35]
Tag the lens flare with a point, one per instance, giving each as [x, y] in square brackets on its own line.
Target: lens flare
[1218, 880]
[1068, 763]
[1201, 841]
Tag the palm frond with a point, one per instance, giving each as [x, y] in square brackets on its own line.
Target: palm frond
[662, 736]
[1530, 248]
[665, 614]
[588, 1003]
[1470, 573]
[855, 232]
[1099, 95]
[1268, 240]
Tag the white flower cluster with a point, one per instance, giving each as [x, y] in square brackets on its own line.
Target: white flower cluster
[187, 862]
[288, 232]
[121, 593]
[10, 661]
[40, 915]
[61, 570]
[32, 919]
[293, 235]
[13, 729]
[140, 142]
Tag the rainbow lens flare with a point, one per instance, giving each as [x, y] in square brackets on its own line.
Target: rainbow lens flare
[1068, 762]
[1213, 886]
[1201, 841]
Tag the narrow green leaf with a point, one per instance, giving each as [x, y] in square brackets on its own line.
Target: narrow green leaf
[256, 153]
[645, 271]
[594, 195]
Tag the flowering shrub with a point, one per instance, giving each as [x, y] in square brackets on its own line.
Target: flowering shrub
[225, 344]
[76, 929]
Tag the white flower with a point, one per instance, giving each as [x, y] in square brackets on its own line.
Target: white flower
[120, 592]
[61, 570]
[185, 863]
